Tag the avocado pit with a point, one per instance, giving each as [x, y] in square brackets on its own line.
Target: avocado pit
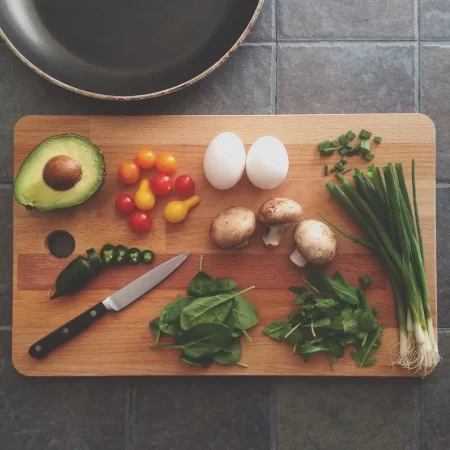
[62, 173]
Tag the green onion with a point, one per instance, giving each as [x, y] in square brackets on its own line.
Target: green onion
[364, 134]
[350, 135]
[364, 146]
[380, 207]
[327, 151]
[323, 145]
[325, 169]
[343, 161]
[338, 167]
[334, 143]
[342, 140]
[369, 156]
[343, 151]
[377, 139]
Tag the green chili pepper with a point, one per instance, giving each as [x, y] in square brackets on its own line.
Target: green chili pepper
[147, 256]
[122, 254]
[73, 277]
[108, 254]
[134, 256]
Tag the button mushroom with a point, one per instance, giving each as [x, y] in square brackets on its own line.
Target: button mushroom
[233, 227]
[276, 215]
[315, 243]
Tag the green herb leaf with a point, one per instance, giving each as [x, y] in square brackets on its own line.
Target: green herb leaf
[365, 281]
[245, 314]
[169, 319]
[204, 361]
[204, 339]
[154, 328]
[230, 354]
[307, 349]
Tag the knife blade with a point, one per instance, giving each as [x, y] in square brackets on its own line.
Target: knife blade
[115, 303]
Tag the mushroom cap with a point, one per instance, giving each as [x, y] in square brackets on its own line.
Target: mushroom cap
[232, 227]
[315, 241]
[279, 211]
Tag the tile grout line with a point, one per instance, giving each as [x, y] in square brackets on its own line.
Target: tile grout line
[418, 63]
[276, 57]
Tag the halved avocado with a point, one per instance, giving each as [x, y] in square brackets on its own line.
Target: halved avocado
[61, 172]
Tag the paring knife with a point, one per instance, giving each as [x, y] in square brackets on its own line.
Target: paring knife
[115, 302]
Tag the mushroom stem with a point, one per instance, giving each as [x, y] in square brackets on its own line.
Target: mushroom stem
[298, 259]
[243, 244]
[273, 235]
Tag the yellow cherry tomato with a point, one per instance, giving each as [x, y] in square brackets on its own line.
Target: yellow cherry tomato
[145, 158]
[144, 198]
[177, 211]
[166, 163]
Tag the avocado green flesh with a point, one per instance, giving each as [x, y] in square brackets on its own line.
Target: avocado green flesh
[30, 188]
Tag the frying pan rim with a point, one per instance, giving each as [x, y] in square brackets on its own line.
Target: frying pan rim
[149, 95]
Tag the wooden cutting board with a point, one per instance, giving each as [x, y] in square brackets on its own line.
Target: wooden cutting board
[119, 343]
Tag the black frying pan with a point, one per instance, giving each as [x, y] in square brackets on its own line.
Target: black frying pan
[125, 49]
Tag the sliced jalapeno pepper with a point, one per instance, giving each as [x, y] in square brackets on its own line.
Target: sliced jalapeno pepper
[134, 256]
[94, 258]
[122, 254]
[108, 254]
[147, 256]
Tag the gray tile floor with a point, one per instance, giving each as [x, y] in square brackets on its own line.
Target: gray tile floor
[304, 56]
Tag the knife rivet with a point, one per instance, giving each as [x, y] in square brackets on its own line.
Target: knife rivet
[65, 330]
[93, 313]
[38, 348]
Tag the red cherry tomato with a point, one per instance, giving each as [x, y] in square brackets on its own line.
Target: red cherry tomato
[140, 221]
[184, 186]
[161, 184]
[124, 204]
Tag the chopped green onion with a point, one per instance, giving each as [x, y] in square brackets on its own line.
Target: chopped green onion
[344, 161]
[364, 146]
[334, 143]
[377, 139]
[338, 167]
[346, 171]
[342, 140]
[349, 146]
[328, 151]
[364, 134]
[350, 135]
[369, 156]
[323, 145]
[325, 169]
[343, 151]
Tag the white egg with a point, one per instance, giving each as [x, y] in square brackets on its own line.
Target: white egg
[267, 163]
[224, 161]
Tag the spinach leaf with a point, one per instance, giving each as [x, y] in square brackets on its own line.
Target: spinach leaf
[245, 314]
[199, 284]
[204, 339]
[324, 303]
[204, 361]
[169, 320]
[365, 282]
[208, 309]
[231, 354]
[229, 321]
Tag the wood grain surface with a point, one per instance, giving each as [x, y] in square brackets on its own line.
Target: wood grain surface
[119, 343]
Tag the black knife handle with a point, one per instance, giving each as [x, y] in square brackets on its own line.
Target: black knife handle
[42, 348]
